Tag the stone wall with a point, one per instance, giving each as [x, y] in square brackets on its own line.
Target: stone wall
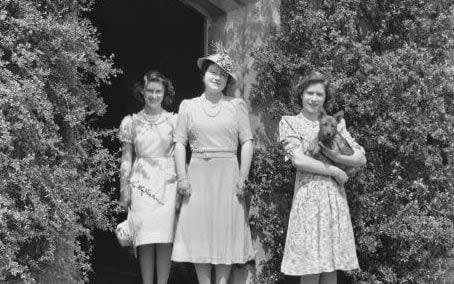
[241, 31]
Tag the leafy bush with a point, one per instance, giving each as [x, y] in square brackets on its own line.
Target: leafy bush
[53, 165]
[391, 66]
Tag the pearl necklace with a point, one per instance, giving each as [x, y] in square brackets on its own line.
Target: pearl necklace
[211, 109]
[152, 118]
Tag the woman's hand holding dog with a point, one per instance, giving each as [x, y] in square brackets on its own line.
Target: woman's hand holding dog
[339, 175]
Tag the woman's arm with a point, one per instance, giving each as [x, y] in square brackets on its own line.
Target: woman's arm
[246, 158]
[127, 158]
[358, 159]
[180, 160]
[311, 165]
[247, 150]
[180, 163]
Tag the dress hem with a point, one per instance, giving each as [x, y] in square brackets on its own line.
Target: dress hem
[152, 242]
[326, 270]
[211, 261]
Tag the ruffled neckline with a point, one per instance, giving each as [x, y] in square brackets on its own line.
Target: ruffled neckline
[145, 118]
[307, 121]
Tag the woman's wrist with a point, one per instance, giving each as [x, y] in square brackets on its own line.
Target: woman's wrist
[182, 179]
[332, 170]
[336, 158]
[243, 177]
[124, 188]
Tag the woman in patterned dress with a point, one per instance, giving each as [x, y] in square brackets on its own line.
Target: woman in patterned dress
[212, 228]
[148, 177]
[320, 237]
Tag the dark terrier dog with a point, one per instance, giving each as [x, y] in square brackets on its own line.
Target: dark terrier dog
[331, 138]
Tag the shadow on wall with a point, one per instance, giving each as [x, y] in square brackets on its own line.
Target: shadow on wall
[245, 30]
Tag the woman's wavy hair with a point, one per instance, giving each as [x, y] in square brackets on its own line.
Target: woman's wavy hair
[314, 77]
[155, 76]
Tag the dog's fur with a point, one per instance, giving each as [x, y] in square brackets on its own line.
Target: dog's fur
[330, 138]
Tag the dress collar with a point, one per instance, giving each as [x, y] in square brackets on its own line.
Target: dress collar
[149, 120]
[307, 121]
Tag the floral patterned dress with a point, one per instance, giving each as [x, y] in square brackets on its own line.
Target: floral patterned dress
[320, 235]
[153, 177]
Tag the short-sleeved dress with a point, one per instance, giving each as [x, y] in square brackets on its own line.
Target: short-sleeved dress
[320, 234]
[212, 226]
[153, 177]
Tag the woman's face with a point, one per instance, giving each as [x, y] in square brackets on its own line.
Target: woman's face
[313, 98]
[215, 79]
[153, 94]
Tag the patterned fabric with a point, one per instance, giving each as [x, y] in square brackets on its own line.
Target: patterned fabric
[320, 235]
[153, 178]
[213, 226]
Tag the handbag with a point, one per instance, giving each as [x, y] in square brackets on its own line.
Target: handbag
[124, 232]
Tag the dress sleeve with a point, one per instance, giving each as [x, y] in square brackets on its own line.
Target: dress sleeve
[295, 141]
[125, 132]
[173, 121]
[182, 122]
[342, 129]
[244, 125]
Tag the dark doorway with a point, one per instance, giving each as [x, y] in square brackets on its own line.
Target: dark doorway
[164, 35]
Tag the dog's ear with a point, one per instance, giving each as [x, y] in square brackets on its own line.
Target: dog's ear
[322, 113]
[339, 115]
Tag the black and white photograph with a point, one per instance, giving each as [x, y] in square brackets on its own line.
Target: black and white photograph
[227, 142]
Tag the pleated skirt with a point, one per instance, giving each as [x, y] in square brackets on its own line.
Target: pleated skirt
[212, 226]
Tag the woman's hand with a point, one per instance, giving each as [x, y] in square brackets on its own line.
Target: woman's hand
[358, 159]
[339, 175]
[183, 190]
[184, 187]
[125, 198]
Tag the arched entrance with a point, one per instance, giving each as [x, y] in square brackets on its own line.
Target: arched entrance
[164, 35]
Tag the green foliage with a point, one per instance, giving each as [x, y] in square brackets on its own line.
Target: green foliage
[53, 166]
[391, 66]
[271, 182]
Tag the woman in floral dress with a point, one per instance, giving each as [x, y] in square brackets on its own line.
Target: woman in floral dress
[320, 237]
[148, 177]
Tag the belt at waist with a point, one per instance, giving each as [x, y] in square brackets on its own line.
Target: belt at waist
[209, 155]
[153, 157]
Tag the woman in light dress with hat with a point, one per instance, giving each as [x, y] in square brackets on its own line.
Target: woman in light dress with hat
[148, 177]
[212, 229]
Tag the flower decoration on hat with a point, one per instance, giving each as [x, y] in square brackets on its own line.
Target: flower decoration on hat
[222, 57]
